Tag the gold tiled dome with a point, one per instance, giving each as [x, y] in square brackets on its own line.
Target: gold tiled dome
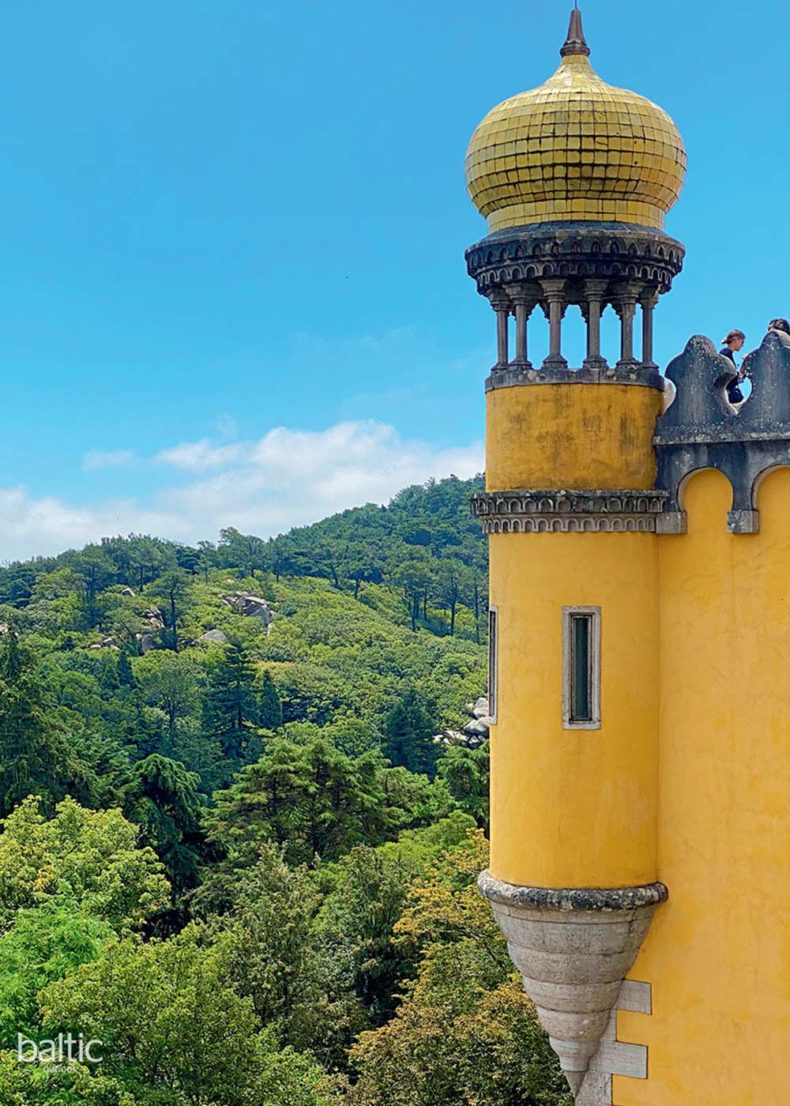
[575, 148]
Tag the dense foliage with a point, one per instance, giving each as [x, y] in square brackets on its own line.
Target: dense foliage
[231, 850]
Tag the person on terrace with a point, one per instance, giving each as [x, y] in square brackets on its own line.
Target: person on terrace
[731, 345]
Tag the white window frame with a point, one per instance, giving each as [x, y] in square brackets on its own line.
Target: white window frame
[568, 722]
[493, 663]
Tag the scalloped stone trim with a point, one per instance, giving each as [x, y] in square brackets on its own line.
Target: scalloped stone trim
[591, 511]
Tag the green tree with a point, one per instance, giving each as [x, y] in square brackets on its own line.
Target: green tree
[174, 1032]
[242, 551]
[171, 683]
[465, 1032]
[88, 857]
[453, 581]
[37, 753]
[270, 715]
[271, 957]
[309, 798]
[44, 944]
[165, 802]
[414, 577]
[173, 589]
[231, 706]
[408, 731]
[466, 773]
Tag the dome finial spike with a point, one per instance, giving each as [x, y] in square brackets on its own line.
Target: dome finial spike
[575, 43]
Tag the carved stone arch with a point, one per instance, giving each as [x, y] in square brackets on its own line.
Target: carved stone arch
[687, 478]
[532, 272]
[758, 482]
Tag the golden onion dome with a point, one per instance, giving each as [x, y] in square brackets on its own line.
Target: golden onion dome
[575, 148]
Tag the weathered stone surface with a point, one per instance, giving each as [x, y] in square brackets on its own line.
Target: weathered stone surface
[702, 430]
[573, 948]
[478, 728]
[592, 510]
[212, 637]
[480, 708]
[251, 606]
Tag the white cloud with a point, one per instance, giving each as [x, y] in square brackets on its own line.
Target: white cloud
[288, 478]
[96, 459]
[199, 456]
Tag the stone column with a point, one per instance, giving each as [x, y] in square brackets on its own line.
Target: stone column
[625, 301]
[524, 304]
[648, 301]
[594, 291]
[501, 304]
[554, 291]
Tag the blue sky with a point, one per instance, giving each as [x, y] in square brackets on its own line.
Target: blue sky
[232, 235]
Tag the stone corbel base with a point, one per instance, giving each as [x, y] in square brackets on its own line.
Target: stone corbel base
[573, 948]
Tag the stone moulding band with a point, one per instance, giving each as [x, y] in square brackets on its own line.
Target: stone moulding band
[514, 377]
[558, 511]
[575, 250]
[572, 899]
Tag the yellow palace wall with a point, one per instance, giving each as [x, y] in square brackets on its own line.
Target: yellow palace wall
[718, 953]
[688, 778]
[573, 807]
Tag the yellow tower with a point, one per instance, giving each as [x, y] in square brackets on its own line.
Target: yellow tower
[595, 679]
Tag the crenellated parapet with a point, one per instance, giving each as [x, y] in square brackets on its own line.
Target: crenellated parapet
[701, 429]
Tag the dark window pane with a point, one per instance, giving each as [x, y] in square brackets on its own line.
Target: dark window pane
[492, 663]
[581, 668]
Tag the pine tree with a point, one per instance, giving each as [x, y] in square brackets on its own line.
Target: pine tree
[231, 706]
[408, 730]
[271, 710]
[37, 756]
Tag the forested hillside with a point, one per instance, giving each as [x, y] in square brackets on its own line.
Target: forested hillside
[231, 849]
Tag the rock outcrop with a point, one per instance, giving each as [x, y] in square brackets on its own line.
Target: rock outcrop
[251, 606]
[475, 732]
[212, 637]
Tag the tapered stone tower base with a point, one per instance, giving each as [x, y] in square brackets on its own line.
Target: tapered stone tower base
[573, 949]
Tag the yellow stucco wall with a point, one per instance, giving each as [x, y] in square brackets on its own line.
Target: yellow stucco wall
[571, 436]
[574, 808]
[718, 954]
[688, 779]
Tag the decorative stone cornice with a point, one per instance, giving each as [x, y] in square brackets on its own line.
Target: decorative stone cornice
[585, 511]
[511, 376]
[614, 252]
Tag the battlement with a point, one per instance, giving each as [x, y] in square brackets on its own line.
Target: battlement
[702, 430]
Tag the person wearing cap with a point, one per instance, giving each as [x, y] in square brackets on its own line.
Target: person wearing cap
[730, 346]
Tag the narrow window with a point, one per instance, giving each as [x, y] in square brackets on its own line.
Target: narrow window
[493, 663]
[581, 698]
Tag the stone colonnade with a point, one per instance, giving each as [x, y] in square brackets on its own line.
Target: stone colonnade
[554, 295]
